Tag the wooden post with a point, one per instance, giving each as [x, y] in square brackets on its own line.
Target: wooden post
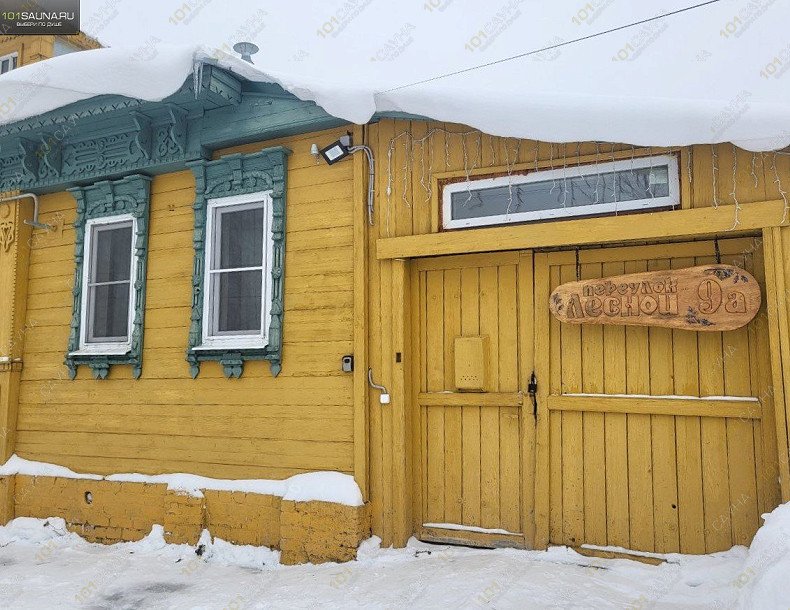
[361, 431]
[779, 334]
[401, 404]
[15, 243]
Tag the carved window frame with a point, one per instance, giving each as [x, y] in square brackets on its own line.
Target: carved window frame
[124, 198]
[234, 175]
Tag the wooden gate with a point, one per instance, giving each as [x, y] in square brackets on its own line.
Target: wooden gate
[475, 454]
[651, 438]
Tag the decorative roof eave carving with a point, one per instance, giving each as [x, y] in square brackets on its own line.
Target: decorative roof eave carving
[110, 136]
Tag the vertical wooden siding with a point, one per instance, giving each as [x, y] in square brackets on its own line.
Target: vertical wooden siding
[257, 426]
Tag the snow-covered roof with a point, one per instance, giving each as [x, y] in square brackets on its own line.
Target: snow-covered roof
[717, 73]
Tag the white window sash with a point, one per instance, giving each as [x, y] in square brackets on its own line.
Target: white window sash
[210, 296]
[673, 199]
[108, 347]
[10, 57]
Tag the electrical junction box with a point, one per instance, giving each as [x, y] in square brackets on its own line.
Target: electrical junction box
[471, 364]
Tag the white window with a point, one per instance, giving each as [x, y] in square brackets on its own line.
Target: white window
[8, 62]
[109, 269]
[237, 281]
[585, 190]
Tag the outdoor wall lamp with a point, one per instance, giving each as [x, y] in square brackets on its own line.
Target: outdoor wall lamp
[336, 151]
[342, 148]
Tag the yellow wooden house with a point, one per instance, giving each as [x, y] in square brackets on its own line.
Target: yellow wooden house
[216, 285]
[24, 50]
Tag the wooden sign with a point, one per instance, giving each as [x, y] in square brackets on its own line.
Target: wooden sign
[707, 298]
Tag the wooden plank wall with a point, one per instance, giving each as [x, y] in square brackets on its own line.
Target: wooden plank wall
[411, 156]
[256, 426]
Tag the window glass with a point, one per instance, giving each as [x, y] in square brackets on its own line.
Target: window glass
[112, 254]
[240, 239]
[110, 313]
[237, 272]
[109, 283]
[576, 191]
[238, 296]
[8, 63]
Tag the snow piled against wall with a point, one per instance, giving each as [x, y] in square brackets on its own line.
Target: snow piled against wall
[310, 486]
[713, 74]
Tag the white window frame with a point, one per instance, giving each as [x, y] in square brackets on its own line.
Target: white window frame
[10, 56]
[672, 200]
[107, 348]
[248, 341]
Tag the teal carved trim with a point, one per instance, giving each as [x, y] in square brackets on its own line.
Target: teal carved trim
[239, 174]
[130, 195]
[109, 136]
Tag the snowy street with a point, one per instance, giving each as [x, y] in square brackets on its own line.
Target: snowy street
[43, 566]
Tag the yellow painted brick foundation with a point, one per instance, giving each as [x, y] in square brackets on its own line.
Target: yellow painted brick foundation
[244, 518]
[109, 511]
[6, 499]
[184, 518]
[317, 532]
[99, 511]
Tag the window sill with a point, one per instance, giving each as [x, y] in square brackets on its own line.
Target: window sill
[122, 351]
[229, 347]
[100, 360]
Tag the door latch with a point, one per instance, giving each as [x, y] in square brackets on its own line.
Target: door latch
[532, 390]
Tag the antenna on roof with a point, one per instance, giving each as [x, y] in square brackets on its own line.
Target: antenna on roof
[246, 50]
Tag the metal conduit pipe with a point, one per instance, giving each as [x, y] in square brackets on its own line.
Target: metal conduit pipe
[35, 222]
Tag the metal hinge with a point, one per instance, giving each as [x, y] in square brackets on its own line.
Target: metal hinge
[532, 390]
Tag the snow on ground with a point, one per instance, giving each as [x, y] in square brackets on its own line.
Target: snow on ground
[565, 71]
[43, 566]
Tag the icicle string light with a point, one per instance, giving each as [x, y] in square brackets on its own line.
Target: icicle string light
[778, 183]
[564, 174]
[426, 187]
[715, 168]
[406, 172]
[754, 174]
[467, 169]
[597, 169]
[475, 159]
[509, 180]
[650, 176]
[734, 196]
[614, 179]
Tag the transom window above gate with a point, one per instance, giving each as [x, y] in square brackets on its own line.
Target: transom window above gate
[583, 190]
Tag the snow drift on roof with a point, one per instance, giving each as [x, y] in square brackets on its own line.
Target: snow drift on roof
[718, 73]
